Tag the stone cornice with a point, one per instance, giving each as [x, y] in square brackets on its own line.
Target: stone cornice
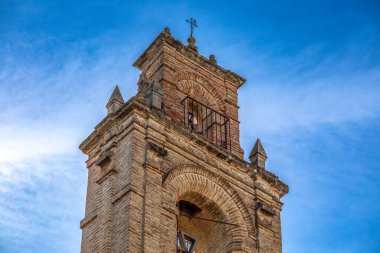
[164, 38]
[274, 181]
[106, 124]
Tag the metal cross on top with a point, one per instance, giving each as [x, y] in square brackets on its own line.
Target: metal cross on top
[193, 23]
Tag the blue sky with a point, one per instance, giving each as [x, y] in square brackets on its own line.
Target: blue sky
[312, 96]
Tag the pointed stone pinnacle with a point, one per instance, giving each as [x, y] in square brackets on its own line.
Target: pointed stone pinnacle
[115, 102]
[258, 149]
[116, 96]
[258, 155]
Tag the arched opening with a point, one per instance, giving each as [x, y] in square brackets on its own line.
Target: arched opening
[220, 221]
[202, 225]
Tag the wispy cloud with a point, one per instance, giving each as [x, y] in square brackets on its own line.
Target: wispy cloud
[317, 115]
[326, 100]
[53, 93]
[48, 107]
[41, 198]
[309, 90]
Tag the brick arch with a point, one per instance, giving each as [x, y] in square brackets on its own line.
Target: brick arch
[200, 180]
[201, 89]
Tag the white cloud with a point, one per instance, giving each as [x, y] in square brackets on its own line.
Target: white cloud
[48, 106]
[19, 143]
[47, 110]
[330, 92]
[42, 198]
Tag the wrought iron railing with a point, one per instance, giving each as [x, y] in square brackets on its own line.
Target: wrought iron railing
[206, 122]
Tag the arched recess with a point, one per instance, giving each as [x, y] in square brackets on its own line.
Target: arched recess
[200, 89]
[189, 181]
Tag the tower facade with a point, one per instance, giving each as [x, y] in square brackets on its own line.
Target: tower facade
[166, 171]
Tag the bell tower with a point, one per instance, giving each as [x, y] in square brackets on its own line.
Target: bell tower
[166, 171]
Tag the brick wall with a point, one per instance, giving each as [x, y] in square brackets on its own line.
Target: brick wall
[143, 161]
[167, 61]
[154, 164]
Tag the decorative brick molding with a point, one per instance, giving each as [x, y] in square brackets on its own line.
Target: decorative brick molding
[190, 173]
[265, 208]
[159, 150]
[198, 87]
[107, 166]
[87, 220]
[124, 191]
[190, 54]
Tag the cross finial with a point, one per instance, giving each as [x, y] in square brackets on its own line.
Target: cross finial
[193, 24]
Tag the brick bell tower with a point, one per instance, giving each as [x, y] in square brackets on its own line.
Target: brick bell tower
[166, 170]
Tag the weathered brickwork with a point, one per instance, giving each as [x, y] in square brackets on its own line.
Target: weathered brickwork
[143, 164]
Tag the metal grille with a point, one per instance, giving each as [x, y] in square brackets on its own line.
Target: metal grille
[204, 121]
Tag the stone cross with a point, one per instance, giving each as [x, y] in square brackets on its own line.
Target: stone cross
[193, 24]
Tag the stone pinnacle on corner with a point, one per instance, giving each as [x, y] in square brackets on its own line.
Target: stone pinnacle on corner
[115, 102]
[258, 155]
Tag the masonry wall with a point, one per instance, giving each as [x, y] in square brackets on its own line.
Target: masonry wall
[181, 76]
[142, 161]
[141, 165]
